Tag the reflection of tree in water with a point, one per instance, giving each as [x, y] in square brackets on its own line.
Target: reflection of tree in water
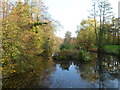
[65, 64]
[103, 70]
[87, 71]
[106, 66]
[100, 70]
[112, 66]
[32, 78]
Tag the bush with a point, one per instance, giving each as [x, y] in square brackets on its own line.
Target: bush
[72, 55]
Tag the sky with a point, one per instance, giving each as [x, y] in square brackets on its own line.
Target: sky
[71, 12]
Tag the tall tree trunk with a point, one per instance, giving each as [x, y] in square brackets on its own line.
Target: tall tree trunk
[95, 27]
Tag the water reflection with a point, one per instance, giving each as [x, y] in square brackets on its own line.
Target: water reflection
[32, 78]
[107, 67]
[102, 72]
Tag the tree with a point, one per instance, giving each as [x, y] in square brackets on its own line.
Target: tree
[86, 35]
[42, 19]
[69, 42]
[104, 12]
[23, 37]
[67, 37]
[94, 14]
[115, 31]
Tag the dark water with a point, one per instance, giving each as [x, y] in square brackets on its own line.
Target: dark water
[102, 72]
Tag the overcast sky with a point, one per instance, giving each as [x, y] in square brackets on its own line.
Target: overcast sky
[71, 12]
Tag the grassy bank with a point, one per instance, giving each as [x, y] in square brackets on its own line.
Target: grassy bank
[113, 49]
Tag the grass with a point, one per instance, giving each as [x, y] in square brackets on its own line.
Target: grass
[109, 48]
[112, 48]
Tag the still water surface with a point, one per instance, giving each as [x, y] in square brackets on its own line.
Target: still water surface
[102, 72]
